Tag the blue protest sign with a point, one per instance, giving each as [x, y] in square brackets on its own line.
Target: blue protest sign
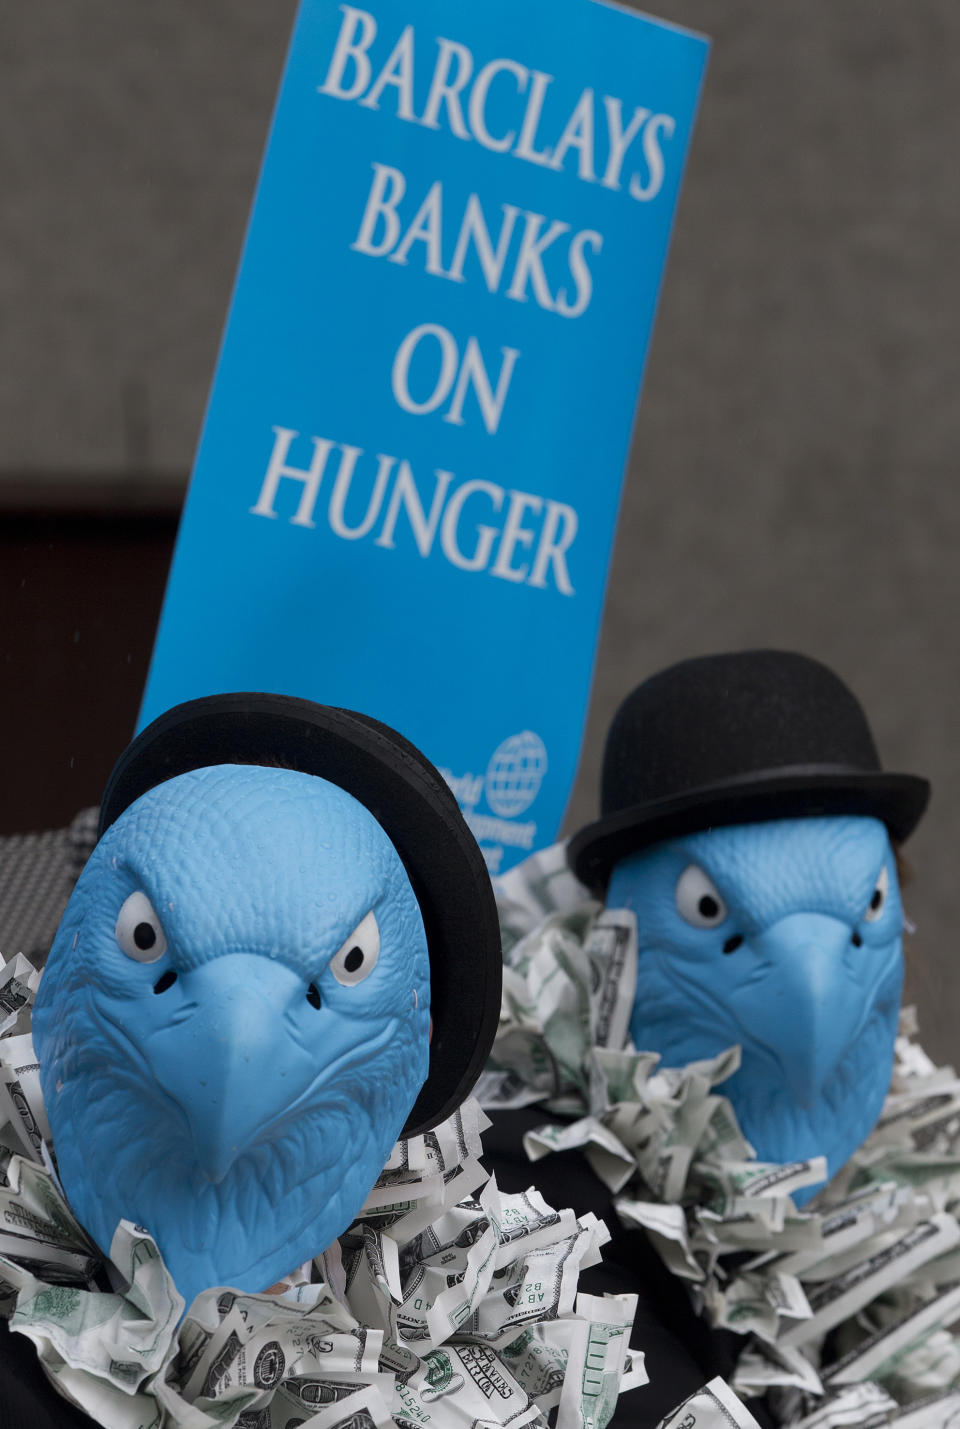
[406, 489]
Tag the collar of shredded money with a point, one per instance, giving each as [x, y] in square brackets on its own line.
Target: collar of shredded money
[445, 1303]
[846, 1305]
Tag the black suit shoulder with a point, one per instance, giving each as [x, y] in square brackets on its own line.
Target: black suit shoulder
[681, 1351]
[27, 1398]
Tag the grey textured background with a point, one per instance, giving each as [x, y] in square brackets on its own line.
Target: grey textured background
[791, 481]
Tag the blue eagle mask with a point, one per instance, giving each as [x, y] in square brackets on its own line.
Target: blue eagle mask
[784, 937]
[233, 1023]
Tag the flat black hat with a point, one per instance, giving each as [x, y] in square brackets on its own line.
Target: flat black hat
[409, 799]
[738, 738]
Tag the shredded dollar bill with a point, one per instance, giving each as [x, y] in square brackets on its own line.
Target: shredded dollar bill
[845, 1306]
[712, 1407]
[445, 1304]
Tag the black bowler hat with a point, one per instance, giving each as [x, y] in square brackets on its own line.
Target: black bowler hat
[409, 799]
[733, 739]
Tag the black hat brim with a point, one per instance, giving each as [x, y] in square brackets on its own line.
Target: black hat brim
[409, 799]
[898, 800]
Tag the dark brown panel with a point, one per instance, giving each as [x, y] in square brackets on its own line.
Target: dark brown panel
[80, 597]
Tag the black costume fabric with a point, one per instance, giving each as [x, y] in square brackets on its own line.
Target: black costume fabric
[27, 1399]
[681, 1351]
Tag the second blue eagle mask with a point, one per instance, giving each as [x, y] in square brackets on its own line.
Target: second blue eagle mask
[748, 823]
[784, 937]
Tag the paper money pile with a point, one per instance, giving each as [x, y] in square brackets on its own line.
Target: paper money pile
[445, 1304]
[845, 1306]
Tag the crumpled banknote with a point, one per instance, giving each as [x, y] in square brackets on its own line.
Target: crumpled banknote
[714, 1406]
[846, 1306]
[445, 1303]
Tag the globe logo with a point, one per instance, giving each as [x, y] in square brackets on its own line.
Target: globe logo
[515, 773]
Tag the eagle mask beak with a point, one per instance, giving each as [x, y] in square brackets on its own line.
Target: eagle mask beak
[809, 1005]
[245, 1045]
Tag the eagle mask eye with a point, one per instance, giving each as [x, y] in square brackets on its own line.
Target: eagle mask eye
[358, 956]
[878, 899]
[139, 931]
[698, 899]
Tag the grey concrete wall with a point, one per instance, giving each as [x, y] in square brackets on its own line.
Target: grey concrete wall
[129, 148]
[792, 477]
